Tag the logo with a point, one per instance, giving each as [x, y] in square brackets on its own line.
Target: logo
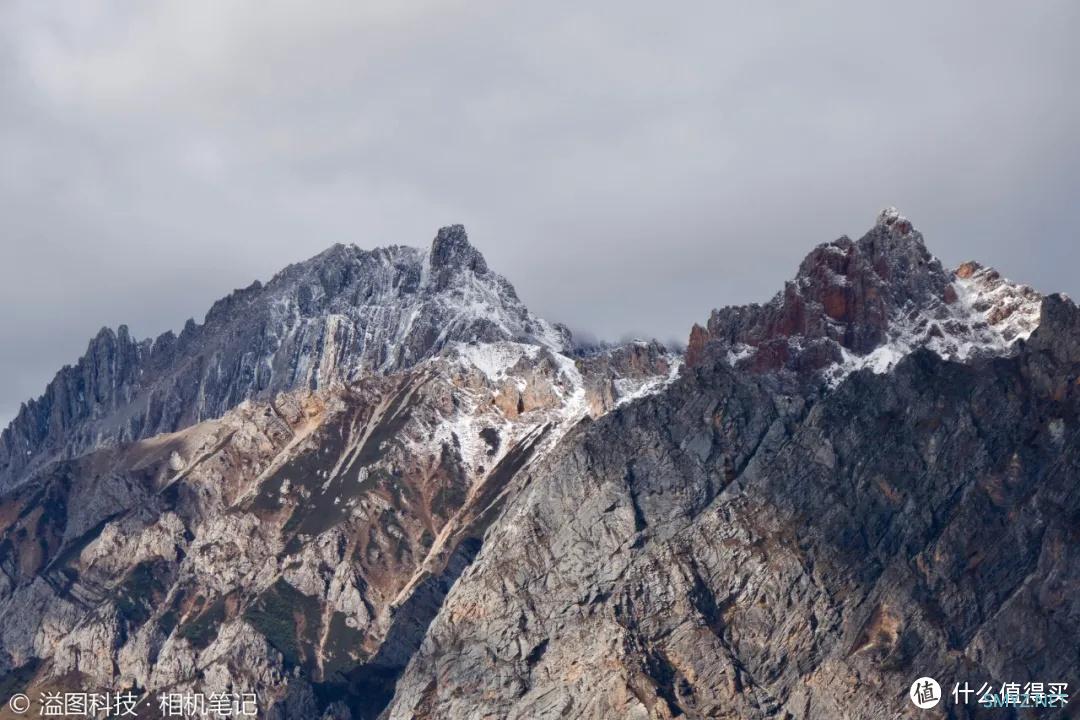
[19, 703]
[925, 693]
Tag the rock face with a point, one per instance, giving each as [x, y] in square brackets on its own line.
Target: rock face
[869, 479]
[343, 314]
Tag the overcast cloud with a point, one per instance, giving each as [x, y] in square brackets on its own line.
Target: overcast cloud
[628, 165]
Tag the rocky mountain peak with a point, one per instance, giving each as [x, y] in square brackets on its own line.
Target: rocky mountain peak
[867, 303]
[452, 260]
[451, 248]
[891, 219]
[859, 283]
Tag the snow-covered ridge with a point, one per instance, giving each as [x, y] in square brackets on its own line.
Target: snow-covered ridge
[984, 315]
[1010, 311]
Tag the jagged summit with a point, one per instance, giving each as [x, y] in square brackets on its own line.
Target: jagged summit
[451, 247]
[891, 219]
[867, 303]
[341, 314]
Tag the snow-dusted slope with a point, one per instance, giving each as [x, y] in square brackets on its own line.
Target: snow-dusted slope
[508, 381]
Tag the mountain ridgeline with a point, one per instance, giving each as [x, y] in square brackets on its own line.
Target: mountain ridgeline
[340, 315]
[378, 487]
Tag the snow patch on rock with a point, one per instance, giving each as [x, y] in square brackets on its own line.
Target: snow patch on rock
[630, 389]
[987, 317]
[494, 360]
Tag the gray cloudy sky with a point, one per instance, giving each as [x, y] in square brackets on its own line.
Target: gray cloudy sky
[628, 165]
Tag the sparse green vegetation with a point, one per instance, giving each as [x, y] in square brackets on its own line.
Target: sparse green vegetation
[288, 619]
[201, 631]
[343, 647]
[141, 590]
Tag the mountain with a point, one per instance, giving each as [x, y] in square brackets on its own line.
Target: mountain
[343, 314]
[386, 490]
[368, 410]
